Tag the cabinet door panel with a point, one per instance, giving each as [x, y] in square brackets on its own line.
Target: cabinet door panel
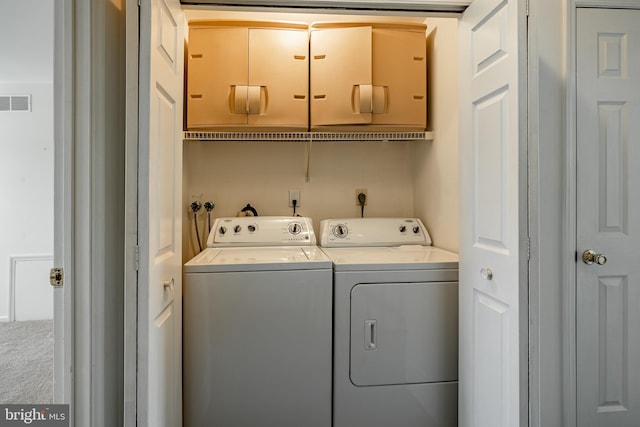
[340, 62]
[279, 64]
[399, 66]
[218, 61]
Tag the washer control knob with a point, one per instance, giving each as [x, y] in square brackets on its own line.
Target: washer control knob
[222, 230]
[237, 228]
[340, 230]
[295, 228]
[251, 228]
[416, 229]
[403, 228]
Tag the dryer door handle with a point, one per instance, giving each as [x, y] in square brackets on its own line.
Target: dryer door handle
[370, 334]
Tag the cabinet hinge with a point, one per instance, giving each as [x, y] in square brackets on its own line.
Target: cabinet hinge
[136, 251]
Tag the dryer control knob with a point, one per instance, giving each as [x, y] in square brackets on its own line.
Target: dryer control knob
[222, 230]
[237, 228]
[403, 228]
[251, 228]
[416, 229]
[340, 230]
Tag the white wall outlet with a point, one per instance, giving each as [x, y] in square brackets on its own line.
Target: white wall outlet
[363, 191]
[294, 195]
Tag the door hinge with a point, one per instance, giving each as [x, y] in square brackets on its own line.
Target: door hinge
[526, 8]
[528, 248]
[56, 277]
[136, 252]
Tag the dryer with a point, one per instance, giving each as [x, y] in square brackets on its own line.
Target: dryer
[395, 324]
[257, 326]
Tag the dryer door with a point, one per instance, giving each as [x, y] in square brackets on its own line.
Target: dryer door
[404, 333]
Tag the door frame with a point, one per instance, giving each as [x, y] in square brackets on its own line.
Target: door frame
[132, 30]
[63, 203]
[87, 201]
[131, 241]
[569, 237]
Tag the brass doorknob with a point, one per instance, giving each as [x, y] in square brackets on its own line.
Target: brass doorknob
[590, 257]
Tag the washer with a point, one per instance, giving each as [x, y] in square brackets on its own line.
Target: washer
[257, 326]
[395, 324]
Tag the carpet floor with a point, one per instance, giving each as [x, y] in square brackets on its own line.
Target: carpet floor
[26, 362]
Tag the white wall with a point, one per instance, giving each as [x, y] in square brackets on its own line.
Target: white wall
[26, 147]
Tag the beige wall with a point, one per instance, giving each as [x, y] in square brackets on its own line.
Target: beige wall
[232, 174]
[435, 164]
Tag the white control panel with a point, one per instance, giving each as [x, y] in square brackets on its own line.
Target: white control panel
[355, 232]
[262, 231]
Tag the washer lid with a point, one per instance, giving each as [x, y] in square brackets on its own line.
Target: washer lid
[258, 259]
[410, 257]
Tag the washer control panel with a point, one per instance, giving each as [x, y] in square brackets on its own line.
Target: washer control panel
[262, 231]
[373, 232]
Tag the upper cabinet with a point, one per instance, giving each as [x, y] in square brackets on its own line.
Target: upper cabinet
[368, 74]
[247, 74]
[272, 76]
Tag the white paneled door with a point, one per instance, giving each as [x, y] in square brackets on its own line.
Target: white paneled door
[608, 218]
[159, 213]
[493, 260]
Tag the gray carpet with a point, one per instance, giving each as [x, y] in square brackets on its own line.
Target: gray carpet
[26, 362]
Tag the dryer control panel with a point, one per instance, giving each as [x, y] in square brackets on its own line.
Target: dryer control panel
[353, 232]
[261, 231]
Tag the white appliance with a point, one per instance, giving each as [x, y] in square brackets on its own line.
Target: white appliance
[395, 324]
[257, 326]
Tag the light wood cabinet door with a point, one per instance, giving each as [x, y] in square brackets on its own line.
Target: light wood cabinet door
[368, 75]
[217, 65]
[399, 78]
[279, 74]
[340, 76]
[242, 77]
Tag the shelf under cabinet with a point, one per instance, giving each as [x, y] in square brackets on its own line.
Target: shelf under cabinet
[307, 136]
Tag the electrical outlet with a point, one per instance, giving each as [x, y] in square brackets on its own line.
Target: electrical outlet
[294, 195]
[363, 191]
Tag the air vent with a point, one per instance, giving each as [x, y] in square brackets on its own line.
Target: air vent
[15, 103]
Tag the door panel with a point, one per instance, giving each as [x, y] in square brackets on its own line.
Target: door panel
[335, 95]
[493, 273]
[608, 219]
[160, 222]
[400, 67]
[404, 333]
[217, 63]
[279, 64]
